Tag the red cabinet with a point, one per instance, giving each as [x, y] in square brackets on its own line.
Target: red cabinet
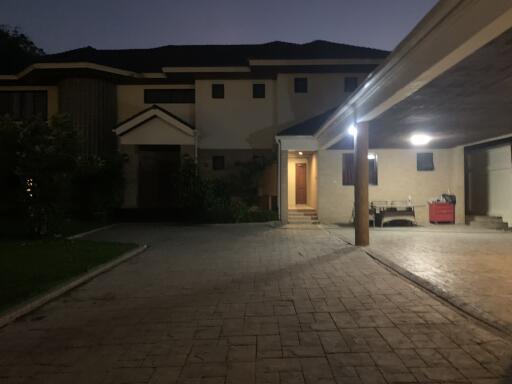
[441, 212]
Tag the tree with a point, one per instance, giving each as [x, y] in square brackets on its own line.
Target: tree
[17, 50]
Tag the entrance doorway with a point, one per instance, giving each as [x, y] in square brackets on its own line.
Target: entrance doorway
[158, 169]
[301, 183]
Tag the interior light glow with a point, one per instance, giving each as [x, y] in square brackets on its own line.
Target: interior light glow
[352, 130]
[420, 139]
[300, 153]
[371, 156]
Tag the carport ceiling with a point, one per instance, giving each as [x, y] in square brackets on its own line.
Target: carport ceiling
[469, 103]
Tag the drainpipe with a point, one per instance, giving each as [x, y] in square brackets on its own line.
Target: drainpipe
[196, 141]
[279, 179]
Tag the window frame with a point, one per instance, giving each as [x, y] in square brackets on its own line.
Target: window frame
[23, 105]
[422, 158]
[348, 87]
[218, 87]
[348, 175]
[173, 96]
[300, 85]
[262, 91]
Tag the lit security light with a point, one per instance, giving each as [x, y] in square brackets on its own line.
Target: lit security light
[352, 130]
[420, 139]
[372, 156]
[300, 153]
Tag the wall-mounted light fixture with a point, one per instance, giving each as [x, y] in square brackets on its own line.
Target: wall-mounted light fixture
[352, 130]
[300, 153]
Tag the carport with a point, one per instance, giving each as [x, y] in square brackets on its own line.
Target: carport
[449, 80]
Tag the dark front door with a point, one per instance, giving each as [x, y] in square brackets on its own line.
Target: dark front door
[158, 167]
[300, 184]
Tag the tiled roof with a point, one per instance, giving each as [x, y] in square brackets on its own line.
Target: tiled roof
[308, 127]
[153, 59]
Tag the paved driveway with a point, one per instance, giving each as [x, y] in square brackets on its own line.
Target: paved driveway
[245, 304]
[475, 266]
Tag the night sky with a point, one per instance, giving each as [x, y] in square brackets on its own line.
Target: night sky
[57, 25]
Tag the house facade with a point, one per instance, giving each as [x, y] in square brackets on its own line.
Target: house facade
[221, 105]
[341, 126]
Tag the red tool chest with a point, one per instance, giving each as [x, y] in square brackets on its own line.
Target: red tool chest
[441, 212]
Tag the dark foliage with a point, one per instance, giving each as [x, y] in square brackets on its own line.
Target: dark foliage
[16, 50]
[225, 200]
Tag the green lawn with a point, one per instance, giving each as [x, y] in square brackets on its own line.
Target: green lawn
[28, 268]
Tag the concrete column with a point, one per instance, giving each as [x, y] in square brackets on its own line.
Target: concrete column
[361, 219]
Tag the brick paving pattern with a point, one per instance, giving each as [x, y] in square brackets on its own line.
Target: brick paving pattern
[248, 304]
[473, 265]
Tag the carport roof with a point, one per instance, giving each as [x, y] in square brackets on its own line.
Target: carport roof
[466, 104]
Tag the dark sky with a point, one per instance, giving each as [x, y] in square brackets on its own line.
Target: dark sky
[57, 25]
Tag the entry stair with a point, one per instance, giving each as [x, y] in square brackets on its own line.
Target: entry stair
[302, 216]
[488, 222]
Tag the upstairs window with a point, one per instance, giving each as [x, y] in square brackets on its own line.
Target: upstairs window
[169, 96]
[350, 84]
[217, 91]
[349, 169]
[425, 161]
[218, 163]
[24, 105]
[301, 85]
[258, 91]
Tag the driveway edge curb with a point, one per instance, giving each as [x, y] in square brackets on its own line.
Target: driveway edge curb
[31, 305]
[452, 300]
[90, 232]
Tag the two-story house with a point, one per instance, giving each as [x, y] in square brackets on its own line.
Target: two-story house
[220, 104]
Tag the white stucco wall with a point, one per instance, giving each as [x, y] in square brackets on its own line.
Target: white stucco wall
[325, 91]
[130, 101]
[238, 121]
[397, 179]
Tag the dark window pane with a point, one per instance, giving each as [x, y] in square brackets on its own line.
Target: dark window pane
[425, 161]
[24, 104]
[350, 84]
[301, 85]
[373, 174]
[349, 170]
[218, 91]
[258, 91]
[218, 163]
[175, 96]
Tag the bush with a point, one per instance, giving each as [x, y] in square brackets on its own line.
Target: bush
[46, 179]
[219, 200]
[96, 185]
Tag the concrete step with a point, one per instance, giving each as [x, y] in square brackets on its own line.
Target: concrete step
[483, 218]
[487, 222]
[302, 218]
[302, 214]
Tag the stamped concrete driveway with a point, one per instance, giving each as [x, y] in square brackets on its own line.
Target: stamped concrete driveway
[472, 266]
[248, 304]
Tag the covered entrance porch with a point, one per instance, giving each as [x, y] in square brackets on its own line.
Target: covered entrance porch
[154, 141]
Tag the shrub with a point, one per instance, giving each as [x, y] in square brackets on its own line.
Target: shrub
[219, 200]
[96, 185]
[46, 178]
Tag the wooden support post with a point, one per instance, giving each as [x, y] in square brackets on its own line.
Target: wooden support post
[361, 219]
